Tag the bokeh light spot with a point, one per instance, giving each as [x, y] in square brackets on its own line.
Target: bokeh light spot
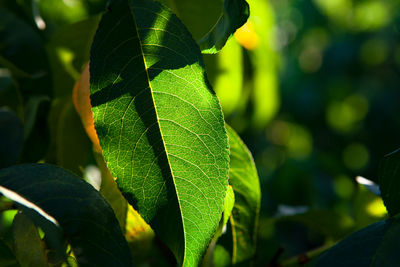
[355, 156]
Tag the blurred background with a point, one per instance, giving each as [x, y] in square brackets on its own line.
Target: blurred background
[312, 87]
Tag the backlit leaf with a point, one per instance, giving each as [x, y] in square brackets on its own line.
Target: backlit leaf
[160, 124]
[234, 15]
[244, 218]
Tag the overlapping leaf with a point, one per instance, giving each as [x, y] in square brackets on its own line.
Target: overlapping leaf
[199, 16]
[160, 124]
[234, 15]
[244, 218]
[62, 198]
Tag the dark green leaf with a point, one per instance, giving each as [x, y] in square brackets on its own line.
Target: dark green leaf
[27, 243]
[244, 219]
[62, 198]
[7, 258]
[389, 181]
[11, 138]
[375, 245]
[235, 14]
[160, 124]
[70, 131]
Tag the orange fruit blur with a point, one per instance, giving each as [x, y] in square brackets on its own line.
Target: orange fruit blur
[247, 37]
[81, 99]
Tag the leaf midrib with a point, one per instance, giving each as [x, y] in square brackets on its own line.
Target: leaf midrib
[159, 128]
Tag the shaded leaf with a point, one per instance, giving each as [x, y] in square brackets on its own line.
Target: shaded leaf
[234, 15]
[199, 16]
[375, 245]
[243, 178]
[61, 198]
[70, 131]
[389, 181]
[7, 258]
[27, 243]
[11, 138]
[160, 124]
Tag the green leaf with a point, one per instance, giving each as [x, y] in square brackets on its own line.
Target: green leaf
[64, 199]
[70, 131]
[199, 16]
[389, 181]
[160, 124]
[235, 14]
[11, 138]
[245, 183]
[375, 245]
[27, 243]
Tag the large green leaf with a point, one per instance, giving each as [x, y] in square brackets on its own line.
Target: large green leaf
[235, 14]
[389, 181]
[65, 200]
[375, 245]
[244, 218]
[160, 124]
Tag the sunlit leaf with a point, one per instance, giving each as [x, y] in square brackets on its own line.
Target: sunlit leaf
[27, 243]
[235, 14]
[63, 200]
[160, 124]
[375, 245]
[389, 181]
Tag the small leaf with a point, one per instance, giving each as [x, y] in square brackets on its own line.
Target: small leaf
[160, 124]
[235, 14]
[375, 245]
[244, 218]
[27, 243]
[389, 181]
[61, 198]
